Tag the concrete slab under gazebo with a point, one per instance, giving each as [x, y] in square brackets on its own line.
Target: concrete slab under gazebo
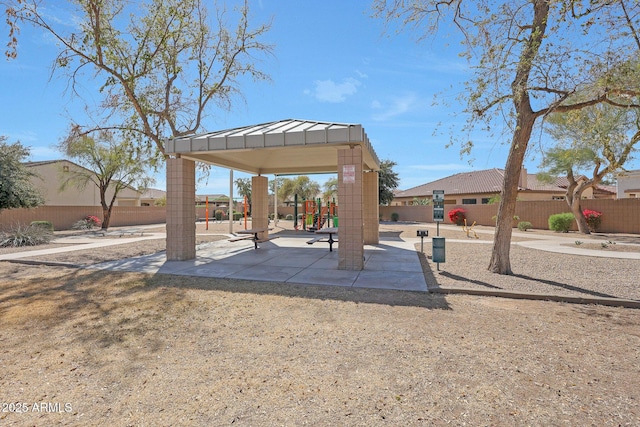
[281, 147]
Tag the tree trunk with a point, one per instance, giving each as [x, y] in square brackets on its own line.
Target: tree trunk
[106, 209]
[573, 197]
[581, 221]
[525, 120]
[106, 217]
[500, 262]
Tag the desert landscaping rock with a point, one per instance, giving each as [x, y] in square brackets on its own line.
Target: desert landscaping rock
[113, 348]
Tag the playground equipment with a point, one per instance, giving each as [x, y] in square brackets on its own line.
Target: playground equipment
[315, 215]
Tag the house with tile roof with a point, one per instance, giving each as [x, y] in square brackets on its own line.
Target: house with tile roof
[50, 174]
[628, 184]
[479, 187]
[151, 196]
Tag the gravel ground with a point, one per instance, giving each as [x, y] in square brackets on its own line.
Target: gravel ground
[84, 347]
[535, 271]
[467, 259]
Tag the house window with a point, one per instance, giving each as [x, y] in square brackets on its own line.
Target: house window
[557, 197]
[65, 168]
[486, 200]
[469, 201]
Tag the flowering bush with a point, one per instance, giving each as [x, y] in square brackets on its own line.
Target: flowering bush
[93, 220]
[87, 223]
[457, 216]
[594, 218]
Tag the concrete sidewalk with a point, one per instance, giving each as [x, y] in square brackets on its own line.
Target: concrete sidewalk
[393, 264]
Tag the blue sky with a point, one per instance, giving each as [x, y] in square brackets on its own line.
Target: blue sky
[331, 62]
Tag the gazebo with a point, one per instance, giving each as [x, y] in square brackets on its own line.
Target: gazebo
[281, 147]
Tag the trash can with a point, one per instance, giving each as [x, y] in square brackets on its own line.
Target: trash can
[438, 251]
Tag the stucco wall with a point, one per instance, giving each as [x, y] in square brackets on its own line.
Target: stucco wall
[49, 176]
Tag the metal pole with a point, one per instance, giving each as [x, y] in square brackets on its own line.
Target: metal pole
[295, 212]
[275, 201]
[206, 212]
[438, 234]
[230, 208]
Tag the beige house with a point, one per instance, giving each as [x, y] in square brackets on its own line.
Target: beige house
[628, 185]
[479, 187]
[50, 174]
[151, 195]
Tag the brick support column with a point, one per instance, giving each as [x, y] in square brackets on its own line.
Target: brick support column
[350, 231]
[260, 204]
[181, 209]
[371, 208]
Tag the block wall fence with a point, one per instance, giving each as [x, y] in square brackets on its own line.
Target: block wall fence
[619, 216]
[63, 217]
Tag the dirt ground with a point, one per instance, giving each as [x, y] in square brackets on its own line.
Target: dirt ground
[84, 347]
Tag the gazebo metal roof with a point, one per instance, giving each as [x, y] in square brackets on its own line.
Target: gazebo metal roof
[281, 147]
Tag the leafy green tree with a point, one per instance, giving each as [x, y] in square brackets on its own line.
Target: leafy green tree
[330, 189]
[599, 139]
[421, 202]
[304, 187]
[16, 189]
[529, 58]
[244, 187]
[276, 183]
[285, 189]
[388, 181]
[160, 64]
[109, 164]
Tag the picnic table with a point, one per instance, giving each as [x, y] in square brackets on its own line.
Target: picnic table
[252, 233]
[324, 231]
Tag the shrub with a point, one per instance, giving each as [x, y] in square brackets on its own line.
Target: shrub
[218, 214]
[289, 217]
[395, 217]
[44, 224]
[561, 222]
[524, 225]
[87, 223]
[457, 216]
[237, 216]
[516, 218]
[594, 218]
[22, 235]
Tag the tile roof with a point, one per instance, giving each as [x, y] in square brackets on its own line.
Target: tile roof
[153, 193]
[484, 181]
[607, 188]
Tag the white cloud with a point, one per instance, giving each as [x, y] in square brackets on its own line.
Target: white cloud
[396, 107]
[361, 74]
[330, 91]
